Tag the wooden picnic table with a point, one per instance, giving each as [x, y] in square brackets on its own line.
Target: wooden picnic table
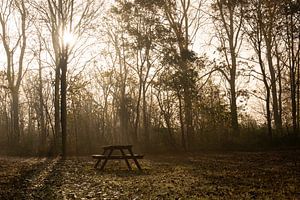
[108, 155]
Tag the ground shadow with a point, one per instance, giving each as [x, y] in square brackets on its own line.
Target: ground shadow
[48, 182]
[17, 186]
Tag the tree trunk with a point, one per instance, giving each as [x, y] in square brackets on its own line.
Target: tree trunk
[256, 40]
[167, 119]
[292, 66]
[123, 110]
[137, 119]
[231, 41]
[15, 117]
[123, 116]
[298, 86]
[57, 109]
[233, 107]
[63, 66]
[268, 95]
[182, 127]
[43, 130]
[188, 120]
[277, 117]
[233, 55]
[267, 29]
[145, 119]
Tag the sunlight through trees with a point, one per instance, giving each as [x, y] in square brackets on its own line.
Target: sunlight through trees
[160, 74]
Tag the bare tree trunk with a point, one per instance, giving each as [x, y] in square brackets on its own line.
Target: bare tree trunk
[182, 123]
[57, 108]
[232, 48]
[233, 106]
[268, 93]
[123, 115]
[123, 110]
[41, 112]
[145, 118]
[144, 93]
[188, 120]
[279, 88]
[63, 66]
[137, 118]
[298, 87]
[167, 119]
[277, 118]
[15, 117]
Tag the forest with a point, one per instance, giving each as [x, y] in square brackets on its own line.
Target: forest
[162, 75]
[207, 90]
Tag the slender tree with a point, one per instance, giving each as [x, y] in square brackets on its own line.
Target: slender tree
[228, 22]
[183, 19]
[14, 45]
[291, 13]
[253, 28]
[269, 35]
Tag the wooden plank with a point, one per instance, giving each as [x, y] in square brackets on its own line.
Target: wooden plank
[99, 156]
[118, 157]
[117, 147]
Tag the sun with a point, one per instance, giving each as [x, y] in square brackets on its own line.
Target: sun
[68, 38]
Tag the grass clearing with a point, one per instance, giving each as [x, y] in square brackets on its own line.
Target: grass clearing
[206, 175]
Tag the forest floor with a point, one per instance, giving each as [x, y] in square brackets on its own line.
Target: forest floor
[206, 175]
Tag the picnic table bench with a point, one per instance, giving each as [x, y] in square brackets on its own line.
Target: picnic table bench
[108, 155]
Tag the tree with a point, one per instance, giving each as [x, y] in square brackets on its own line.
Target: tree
[269, 35]
[14, 44]
[228, 22]
[183, 19]
[253, 28]
[291, 13]
[65, 20]
[139, 20]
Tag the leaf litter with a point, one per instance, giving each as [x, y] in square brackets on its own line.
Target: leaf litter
[207, 175]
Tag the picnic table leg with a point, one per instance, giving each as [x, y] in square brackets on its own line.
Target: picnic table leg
[105, 160]
[99, 160]
[134, 159]
[126, 160]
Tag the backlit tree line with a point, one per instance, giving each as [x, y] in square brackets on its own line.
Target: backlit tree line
[159, 74]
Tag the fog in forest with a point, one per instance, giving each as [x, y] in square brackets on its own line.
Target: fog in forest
[164, 76]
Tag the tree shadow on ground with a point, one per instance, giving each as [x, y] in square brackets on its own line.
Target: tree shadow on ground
[47, 182]
[18, 176]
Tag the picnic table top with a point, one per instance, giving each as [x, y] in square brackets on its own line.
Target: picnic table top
[117, 147]
[112, 157]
